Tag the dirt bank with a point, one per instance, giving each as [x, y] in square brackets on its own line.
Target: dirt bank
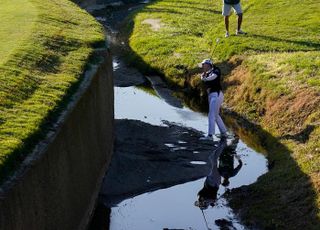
[287, 126]
[171, 149]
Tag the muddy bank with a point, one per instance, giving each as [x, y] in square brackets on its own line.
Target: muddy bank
[148, 158]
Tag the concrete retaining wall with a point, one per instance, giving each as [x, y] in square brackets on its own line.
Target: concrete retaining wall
[57, 185]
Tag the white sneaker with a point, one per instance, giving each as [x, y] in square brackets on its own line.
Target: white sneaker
[221, 136]
[227, 34]
[239, 32]
[206, 138]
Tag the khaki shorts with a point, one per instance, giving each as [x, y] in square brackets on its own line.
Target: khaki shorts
[226, 9]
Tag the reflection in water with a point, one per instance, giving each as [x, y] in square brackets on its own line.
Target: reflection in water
[222, 167]
[173, 208]
[208, 194]
[227, 167]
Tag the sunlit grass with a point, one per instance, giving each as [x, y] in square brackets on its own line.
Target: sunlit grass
[17, 20]
[192, 30]
[45, 46]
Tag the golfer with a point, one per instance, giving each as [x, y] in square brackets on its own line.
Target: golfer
[226, 10]
[211, 78]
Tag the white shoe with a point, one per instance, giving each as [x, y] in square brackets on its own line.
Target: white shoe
[227, 34]
[224, 135]
[206, 138]
[239, 32]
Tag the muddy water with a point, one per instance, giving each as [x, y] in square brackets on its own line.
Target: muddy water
[169, 207]
[134, 103]
[174, 208]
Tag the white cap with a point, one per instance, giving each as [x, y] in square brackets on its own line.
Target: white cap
[207, 61]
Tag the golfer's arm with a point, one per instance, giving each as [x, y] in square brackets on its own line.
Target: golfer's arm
[211, 77]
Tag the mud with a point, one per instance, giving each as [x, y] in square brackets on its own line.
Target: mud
[149, 157]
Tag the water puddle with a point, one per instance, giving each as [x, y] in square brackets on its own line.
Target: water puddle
[134, 103]
[198, 204]
[174, 207]
[198, 162]
[171, 208]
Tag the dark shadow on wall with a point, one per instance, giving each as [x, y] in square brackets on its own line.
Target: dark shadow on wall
[101, 218]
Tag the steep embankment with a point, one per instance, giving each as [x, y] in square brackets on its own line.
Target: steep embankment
[272, 83]
[44, 52]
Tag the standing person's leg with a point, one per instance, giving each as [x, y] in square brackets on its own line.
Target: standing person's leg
[226, 9]
[226, 23]
[213, 98]
[219, 120]
[238, 10]
[239, 21]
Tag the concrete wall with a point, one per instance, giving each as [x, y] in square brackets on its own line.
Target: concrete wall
[57, 185]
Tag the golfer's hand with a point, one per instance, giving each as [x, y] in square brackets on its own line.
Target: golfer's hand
[203, 77]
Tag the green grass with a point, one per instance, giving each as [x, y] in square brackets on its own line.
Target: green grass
[272, 78]
[287, 70]
[17, 19]
[190, 30]
[45, 47]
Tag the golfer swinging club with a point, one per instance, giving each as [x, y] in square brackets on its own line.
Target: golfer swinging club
[211, 77]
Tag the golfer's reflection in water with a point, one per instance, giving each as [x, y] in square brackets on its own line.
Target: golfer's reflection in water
[222, 162]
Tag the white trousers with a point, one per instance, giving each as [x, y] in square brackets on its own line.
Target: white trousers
[215, 102]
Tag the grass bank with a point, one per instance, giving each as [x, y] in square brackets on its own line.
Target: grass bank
[45, 47]
[272, 80]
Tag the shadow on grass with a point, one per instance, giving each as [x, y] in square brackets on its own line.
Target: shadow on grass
[184, 7]
[147, 10]
[21, 84]
[284, 198]
[302, 136]
[309, 44]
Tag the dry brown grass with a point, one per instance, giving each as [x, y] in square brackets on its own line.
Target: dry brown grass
[287, 114]
[291, 119]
